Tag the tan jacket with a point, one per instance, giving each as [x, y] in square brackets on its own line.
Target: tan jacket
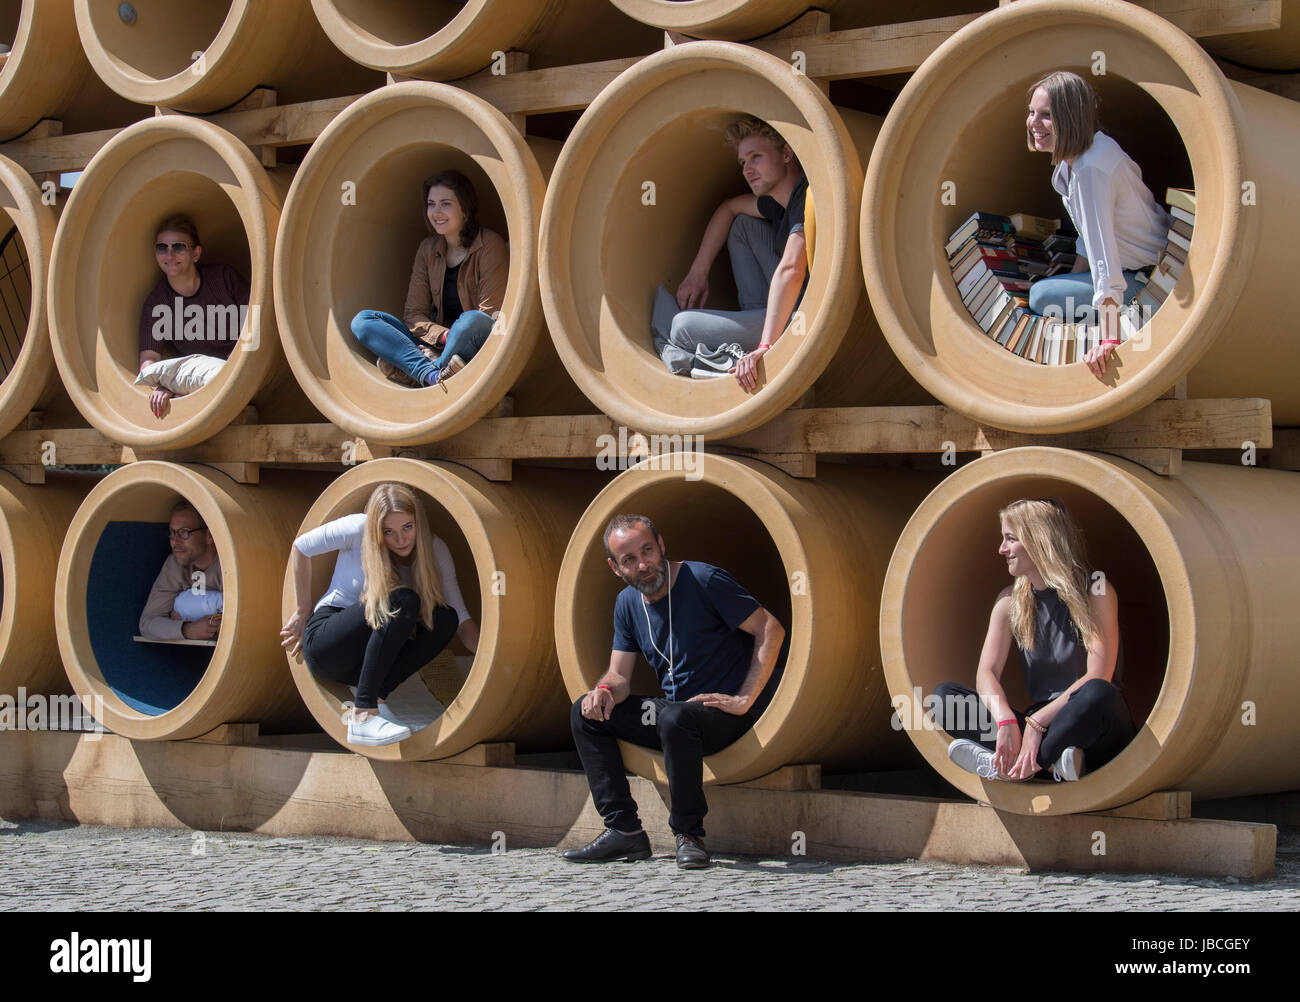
[156, 621]
[481, 283]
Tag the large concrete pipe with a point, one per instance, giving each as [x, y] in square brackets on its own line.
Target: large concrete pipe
[812, 552]
[204, 55]
[103, 268]
[445, 40]
[114, 549]
[28, 377]
[1204, 564]
[637, 181]
[352, 223]
[33, 521]
[506, 540]
[954, 143]
[743, 19]
[46, 74]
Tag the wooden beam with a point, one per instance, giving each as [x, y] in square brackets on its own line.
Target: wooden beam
[789, 438]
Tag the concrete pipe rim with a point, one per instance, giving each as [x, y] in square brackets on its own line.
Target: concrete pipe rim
[437, 53]
[93, 516]
[721, 19]
[452, 489]
[615, 366]
[1061, 398]
[1121, 780]
[752, 486]
[10, 566]
[187, 84]
[36, 224]
[342, 384]
[101, 390]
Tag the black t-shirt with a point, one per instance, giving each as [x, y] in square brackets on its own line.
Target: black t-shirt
[785, 219]
[451, 308]
[709, 650]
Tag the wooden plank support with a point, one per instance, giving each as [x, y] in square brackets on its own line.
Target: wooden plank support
[496, 754]
[1165, 805]
[108, 780]
[1162, 425]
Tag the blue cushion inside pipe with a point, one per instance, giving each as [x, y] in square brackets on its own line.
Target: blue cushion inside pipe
[151, 678]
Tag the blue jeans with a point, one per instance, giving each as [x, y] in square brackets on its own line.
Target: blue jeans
[391, 340]
[1069, 295]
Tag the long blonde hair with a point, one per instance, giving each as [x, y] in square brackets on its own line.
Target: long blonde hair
[1055, 545]
[377, 565]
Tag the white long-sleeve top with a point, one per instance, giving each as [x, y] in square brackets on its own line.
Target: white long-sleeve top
[1120, 225]
[344, 534]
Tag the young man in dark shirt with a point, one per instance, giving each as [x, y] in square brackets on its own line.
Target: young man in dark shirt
[766, 240]
[716, 653]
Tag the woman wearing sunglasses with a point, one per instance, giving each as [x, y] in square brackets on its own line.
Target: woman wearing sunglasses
[457, 283]
[1064, 619]
[189, 310]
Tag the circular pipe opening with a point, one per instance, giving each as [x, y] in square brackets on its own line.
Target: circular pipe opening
[637, 181]
[115, 548]
[161, 41]
[103, 267]
[718, 19]
[773, 534]
[1149, 537]
[377, 153]
[1225, 131]
[506, 541]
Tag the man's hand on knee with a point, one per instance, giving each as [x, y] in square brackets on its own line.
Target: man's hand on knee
[598, 704]
[737, 706]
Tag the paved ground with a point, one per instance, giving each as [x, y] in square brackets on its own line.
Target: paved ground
[46, 867]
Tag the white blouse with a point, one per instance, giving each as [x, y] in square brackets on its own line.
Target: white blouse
[1120, 225]
[345, 534]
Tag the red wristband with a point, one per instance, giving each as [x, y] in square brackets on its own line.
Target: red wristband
[1112, 340]
[1009, 720]
[768, 345]
[602, 685]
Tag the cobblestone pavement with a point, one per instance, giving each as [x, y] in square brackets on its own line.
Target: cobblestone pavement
[48, 866]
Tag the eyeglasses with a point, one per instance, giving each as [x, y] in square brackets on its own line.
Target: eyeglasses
[185, 533]
[174, 248]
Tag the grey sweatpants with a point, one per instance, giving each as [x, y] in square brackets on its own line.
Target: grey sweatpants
[677, 332]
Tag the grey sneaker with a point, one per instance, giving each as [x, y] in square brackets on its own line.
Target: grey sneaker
[973, 757]
[1069, 766]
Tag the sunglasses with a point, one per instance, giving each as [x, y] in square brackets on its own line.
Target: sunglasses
[174, 248]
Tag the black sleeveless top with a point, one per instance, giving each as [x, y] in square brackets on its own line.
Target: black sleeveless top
[1059, 657]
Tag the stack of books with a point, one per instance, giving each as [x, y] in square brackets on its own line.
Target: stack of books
[1182, 206]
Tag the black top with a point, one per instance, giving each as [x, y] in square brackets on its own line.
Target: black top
[1059, 657]
[451, 308]
[785, 220]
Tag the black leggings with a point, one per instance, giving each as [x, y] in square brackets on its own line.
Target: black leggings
[338, 644]
[1095, 718]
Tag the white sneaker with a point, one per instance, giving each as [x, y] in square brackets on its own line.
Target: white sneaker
[388, 715]
[375, 731]
[1069, 766]
[973, 757]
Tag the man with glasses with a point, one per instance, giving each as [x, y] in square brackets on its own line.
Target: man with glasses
[195, 309]
[718, 655]
[191, 577]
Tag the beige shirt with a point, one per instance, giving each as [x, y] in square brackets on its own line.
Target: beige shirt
[156, 622]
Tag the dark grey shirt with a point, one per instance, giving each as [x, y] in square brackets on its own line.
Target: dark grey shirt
[1059, 657]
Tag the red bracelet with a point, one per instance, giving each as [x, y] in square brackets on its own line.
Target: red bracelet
[768, 345]
[1112, 341]
[602, 685]
[1009, 720]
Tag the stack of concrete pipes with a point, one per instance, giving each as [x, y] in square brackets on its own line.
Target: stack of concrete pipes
[884, 577]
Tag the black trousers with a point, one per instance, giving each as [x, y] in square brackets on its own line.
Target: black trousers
[684, 732]
[339, 644]
[1094, 718]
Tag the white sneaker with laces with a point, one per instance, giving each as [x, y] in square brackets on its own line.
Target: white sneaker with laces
[1069, 766]
[375, 731]
[973, 757]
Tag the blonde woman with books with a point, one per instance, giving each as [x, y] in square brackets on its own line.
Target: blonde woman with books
[1064, 619]
[1121, 228]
